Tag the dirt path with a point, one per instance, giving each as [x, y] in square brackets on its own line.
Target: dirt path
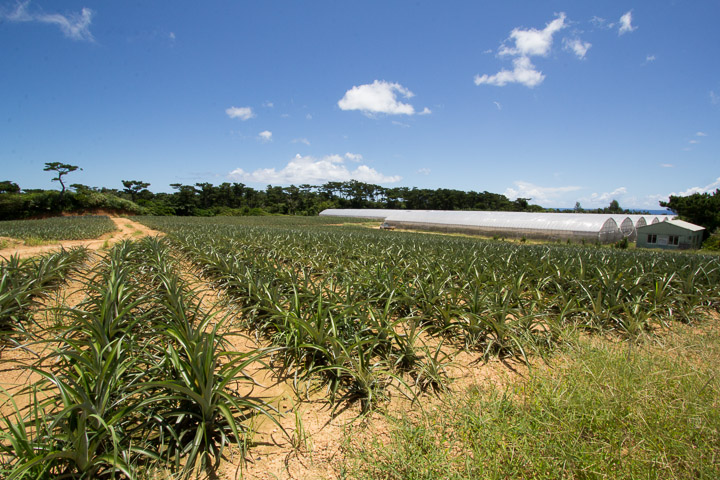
[126, 228]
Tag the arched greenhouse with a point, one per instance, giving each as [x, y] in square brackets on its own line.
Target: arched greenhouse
[593, 227]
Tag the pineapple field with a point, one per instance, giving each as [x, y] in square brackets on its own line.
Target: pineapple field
[309, 347]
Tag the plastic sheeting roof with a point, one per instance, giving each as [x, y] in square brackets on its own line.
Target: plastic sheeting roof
[374, 213]
[568, 222]
[571, 222]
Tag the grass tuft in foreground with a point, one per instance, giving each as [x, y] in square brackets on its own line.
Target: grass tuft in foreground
[604, 411]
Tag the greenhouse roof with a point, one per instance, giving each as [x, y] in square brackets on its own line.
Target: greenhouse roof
[576, 222]
[544, 221]
[374, 213]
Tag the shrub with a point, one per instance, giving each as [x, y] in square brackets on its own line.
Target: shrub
[622, 244]
[713, 242]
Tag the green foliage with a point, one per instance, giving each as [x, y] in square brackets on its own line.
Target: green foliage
[605, 412]
[699, 208]
[61, 169]
[347, 305]
[23, 280]
[138, 379]
[49, 202]
[92, 200]
[205, 199]
[134, 187]
[622, 244]
[713, 242]
[6, 186]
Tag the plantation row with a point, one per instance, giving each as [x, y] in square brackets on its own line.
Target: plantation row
[58, 228]
[138, 381]
[23, 280]
[368, 309]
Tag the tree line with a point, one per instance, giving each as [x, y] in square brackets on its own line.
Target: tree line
[206, 199]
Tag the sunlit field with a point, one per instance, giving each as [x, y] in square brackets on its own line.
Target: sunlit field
[58, 228]
[140, 375]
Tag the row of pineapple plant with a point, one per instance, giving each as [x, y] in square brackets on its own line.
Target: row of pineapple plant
[139, 380]
[367, 309]
[58, 228]
[23, 281]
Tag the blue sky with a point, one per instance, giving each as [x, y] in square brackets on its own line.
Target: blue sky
[559, 101]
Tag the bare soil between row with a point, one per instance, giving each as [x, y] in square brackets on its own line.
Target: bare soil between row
[311, 440]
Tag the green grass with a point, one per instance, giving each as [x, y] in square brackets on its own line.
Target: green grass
[605, 410]
[34, 232]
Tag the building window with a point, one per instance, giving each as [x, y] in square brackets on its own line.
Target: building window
[673, 240]
[652, 238]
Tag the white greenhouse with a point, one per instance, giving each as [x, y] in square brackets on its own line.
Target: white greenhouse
[370, 213]
[592, 227]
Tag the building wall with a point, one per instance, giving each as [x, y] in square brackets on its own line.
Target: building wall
[659, 235]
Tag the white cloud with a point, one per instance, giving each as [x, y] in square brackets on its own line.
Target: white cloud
[533, 42]
[265, 136]
[308, 116]
[314, 171]
[539, 195]
[525, 44]
[598, 21]
[74, 25]
[706, 189]
[714, 98]
[301, 140]
[626, 23]
[268, 104]
[400, 124]
[606, 197]
[171, 36]
[653, 200]
[243, 113]
[498, 105]
[354, 157]
[524, 73]
[424, 171]
[379, 97]
[650, 58]
[701, 134]
[577, 46]
[425, 111]
[667, 165]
